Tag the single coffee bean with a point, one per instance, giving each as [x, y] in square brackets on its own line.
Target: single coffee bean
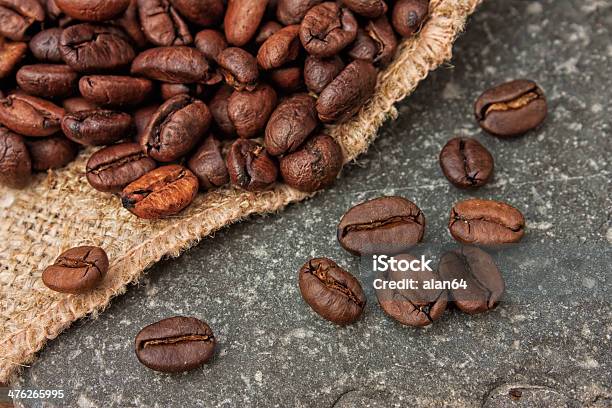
[291, 123]
[45, 45]
[210, 43]
[347, 93]
[484, 283]
[175, 129]
[11, 53]
[293, 11]
[169, 91]
[18, 16]
[208, 165]
[175, 345]
[314, 166]
[364, 47]
[331, 291]
[239, 68]
[202, 12]
[93, 10]
[174, 65]
[77, 104]
[51, 152]
[48, 81]
[267, 30]
[382, 34]
[115, 90]
[486, 222]
[162, 192]
[327, 28]
[242, 19]
[15, 163]
[95, 48]
[288, 79]
[408, 16]
[511, 109]
[218, 107]
[29, 115]
[129, 21]
[466, 163]
[97, 127]
[77, 270]
[250, 167]
[366, 8]
[250, 111]
[417, 307]
[386, 225]
[162, 24]
[319, 72]
[280, 49]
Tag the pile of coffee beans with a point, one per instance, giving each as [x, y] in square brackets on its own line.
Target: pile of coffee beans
[189, 95]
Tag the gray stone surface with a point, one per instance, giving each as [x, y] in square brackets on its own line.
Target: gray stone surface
[549, 342]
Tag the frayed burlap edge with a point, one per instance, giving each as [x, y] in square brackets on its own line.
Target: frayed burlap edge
[415, 59]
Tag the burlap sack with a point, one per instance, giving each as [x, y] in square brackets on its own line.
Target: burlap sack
[60, 210]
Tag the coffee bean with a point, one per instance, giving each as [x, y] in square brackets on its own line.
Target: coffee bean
[77, 104]
[239, 68]
[56, 15]
[142, 117]
[175, 65]
[97, 127]
[77, 270]
[280, 49]
[364, 47]
[511, 109]
[466, 163]
[175, 345]
[162, 24]
[242, 19]
[15, 162]
[45, 45]
[327, 29]
[115, 90]
[162, 192]
[382, 34]
[169, 91]
[331, 291]
[11, 53]
[408, 16]
[210, 43]
[48, 81]
[319, 72]
[129, 21]
[176, 127]
[366, 8]
[293, 11]
[93, 10]
[218, 108]
[114, 167]
[250, 111]
[267, 30]
[18, 16]
[201, 12]
[486, 222]
[290, 124]
[250, 167]
[208, 165]
[51, 152]
[287, 80]
[386, 225]
[29, 115]
[484, 283]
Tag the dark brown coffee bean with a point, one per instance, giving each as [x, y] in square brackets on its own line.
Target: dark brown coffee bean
[239, 68]
[77, 270]
[249, 111]
[18, 16]
[288, 79]
[382, 34]
[242, 19]
[93, 10]
[115, 90]
[319, 72]
[29, 115]
[314, 166]
[176, 127]
[366, 8]
[327, 29]
[291, 123]
[266, 31]
[466, 163]
[293, 11]
[51, 152]
[169, 91]
[11, 53]
[175, 65]
[97, 127]
[175, 345]
[129, 21]
[48, 81]
[95, 48]
[45, 45]
[15, 163]
[280, 49]
[142, 116]
[347, 93]
[331, 291]
[162, 24]
[387, 225]
[201, 12]
[218, 108]
[486, 222]
[208, 164]
[250, 167]
[162, 192]
[55, 14]
[511, 109]
[114, 167]
[408, 16]
[364, 47]
[484, 283]
[210, 43]
[77, 104]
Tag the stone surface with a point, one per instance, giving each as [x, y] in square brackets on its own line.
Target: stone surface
[548, 344]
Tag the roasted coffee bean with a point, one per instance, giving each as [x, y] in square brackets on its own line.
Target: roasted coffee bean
[15, 163]
[162, 24]
[331, 291]
[176, 127]
[208, 165]
[11, 53]
[115, 90]
[18, 16]
[250, 167]
[175, 345]
[486, 222]
[200, 12]
[347, 93]
[55, 14]
[210, 43]
[364, 47]
[218, 108]
[291, 123]
[382, 34]
[95, 48]
[48, 81]
[319, 72]
[169, 91]
[77, 104]
[266, 31]
[408, 16]
[97, 127]
[314, 166]
[512, 108]
[412, 307]
[327, 28]
[175, 65]
[386, 225]
[280, 49]
[77, 270]
[288, 79]
[129, 21]
[484, 283]
[114, 167]
[239, 68]
[51, 152]
[162, 192]
[45, 45]
[250, 111]
[29, 115]
[242, 19]
[366, 8]
[93, 10]
[466, 163]
[293, 11]
[142, 117]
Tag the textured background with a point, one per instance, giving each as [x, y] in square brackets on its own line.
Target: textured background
[551, 338]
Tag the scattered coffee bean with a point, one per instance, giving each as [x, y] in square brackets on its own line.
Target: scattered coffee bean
[266, 31]
[77, 270]
[142, 117]
[17, 18]
[280, 49]
[51, 152]
[293, 120]
[239, 68]
[293, 11]
[250, 111]
[162, 24]
[129, 21]
[48, 81]
[287, 79]
[364, 47]
[242, 18]
[169, 91]
[11, 53]
[208, 165]
[15, 162]
[77, 104]
[97, 127]
[327, 28]
[45, 45]
[203, 12]
[319, 72]
[250, 167]
[366, 8]
[93, 10]
[466, 163]
[408, 16]
[218, 109]
[29, 115]
[175, 65]
[115, 90]
[382, 34]
[210, 43]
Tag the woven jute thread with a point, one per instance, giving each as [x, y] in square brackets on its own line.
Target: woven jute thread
[60, 210]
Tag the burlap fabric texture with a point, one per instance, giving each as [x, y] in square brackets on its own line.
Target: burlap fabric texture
[60, 210]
